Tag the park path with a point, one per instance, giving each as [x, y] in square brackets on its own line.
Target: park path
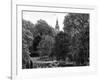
[36, 60]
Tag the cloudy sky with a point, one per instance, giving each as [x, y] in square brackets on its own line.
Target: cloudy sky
[50, 18]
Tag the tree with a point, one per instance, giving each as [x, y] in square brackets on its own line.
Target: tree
[61, 46]
[75, 22]
[77, 26]
[42, 31]
[43, 28]
[84, 49]
[28, 25]
[27, 38]
[46, 45]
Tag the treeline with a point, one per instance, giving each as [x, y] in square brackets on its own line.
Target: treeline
[71, 44]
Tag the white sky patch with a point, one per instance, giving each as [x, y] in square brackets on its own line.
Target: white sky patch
[50, 18]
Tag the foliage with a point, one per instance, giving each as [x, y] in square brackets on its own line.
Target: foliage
[61, 45]
[84, 48]
[43, 36]
[42, 28]
[27, 38]
[67, 47]
[75, 22]
[77, 25]
[46, 45]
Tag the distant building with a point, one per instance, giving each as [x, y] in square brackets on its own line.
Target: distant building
[57, 26]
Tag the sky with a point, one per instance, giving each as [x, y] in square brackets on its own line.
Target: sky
[50, 18]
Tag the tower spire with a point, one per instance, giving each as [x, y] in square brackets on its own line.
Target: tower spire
[57, 26]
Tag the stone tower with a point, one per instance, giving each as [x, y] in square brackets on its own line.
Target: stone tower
[57, 26]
